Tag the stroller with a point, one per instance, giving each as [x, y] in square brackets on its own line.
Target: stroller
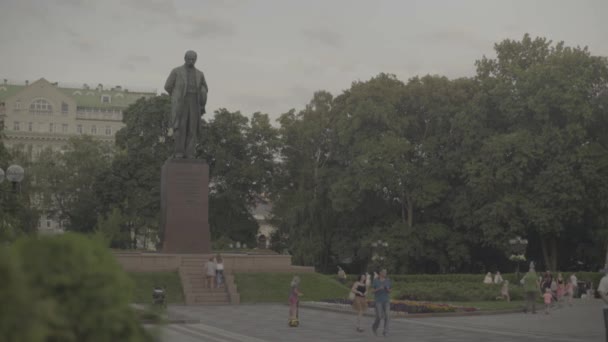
[159, 296]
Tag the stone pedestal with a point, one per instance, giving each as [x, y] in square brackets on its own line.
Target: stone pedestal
[185, 206]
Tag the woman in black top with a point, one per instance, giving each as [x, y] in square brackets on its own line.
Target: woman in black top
[360, 301]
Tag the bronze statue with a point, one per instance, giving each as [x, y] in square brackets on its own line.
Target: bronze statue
[188, 90]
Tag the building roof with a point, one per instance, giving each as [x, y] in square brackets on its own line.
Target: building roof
[92, 98]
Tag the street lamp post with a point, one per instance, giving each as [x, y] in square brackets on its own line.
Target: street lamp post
[518, 247]
[379, 249]
[14, 174]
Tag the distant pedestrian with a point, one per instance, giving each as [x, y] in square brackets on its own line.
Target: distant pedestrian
[294, 297]
[219, 270]
[488, 279]
[531, 287]
[211, 268]
[341, 275]
[574, 282]
[382, 290]
[561, 289]
[368, 280]
[504, 291]
[498, 278]
[360, 302]
[548, 298]
[569, 292]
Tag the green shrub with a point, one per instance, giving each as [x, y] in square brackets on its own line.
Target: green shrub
[20, 315]
[86, 289]
[446, 291]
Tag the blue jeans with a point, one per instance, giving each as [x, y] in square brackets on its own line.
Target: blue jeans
[382, 311]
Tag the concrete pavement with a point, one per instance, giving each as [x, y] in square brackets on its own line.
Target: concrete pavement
[266, 323]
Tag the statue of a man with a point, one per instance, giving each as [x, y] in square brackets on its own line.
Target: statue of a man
[188, 90]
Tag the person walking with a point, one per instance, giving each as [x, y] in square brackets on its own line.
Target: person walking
[219, 270]
[531, 288]
[360, 302]
[211, 272]
[382, 289]
[548, 298]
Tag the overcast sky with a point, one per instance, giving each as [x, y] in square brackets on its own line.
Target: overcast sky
[270, 56]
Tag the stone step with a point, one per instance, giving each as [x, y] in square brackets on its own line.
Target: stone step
[204, 290]
[208, 299]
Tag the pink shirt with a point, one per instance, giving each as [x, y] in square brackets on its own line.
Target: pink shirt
[548, 298]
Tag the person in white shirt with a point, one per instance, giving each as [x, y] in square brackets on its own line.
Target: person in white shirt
[602, 289]
[498, 278]
[488, 278]
[574, 282]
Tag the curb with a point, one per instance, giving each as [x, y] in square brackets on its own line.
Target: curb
[409, 315]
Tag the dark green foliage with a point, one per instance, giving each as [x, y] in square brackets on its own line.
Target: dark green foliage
[85, 289]
[21, 315]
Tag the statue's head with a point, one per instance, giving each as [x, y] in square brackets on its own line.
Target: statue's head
[190, 58]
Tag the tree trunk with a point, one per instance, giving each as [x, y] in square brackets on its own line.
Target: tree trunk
[549, 248]
[410, 211]
[606, 260]
[545, 249]
[554, 254]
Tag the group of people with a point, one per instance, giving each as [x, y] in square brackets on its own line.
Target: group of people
[215, 272]
[553, 290]
[380, 286]
[497, 279]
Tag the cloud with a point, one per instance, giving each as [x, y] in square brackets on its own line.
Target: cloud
[131, 62]
[193, 27]
[324, 36]
[80, 42]
[455, 36]
[165, 8]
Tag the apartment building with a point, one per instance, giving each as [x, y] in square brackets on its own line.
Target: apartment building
[40, 115]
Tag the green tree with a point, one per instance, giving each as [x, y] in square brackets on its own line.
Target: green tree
[67, 183]
[537, 103]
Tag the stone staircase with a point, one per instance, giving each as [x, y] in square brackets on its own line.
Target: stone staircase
[194, 282]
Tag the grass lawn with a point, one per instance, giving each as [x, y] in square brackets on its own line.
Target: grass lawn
[145, 282]
[274, 287]
[490, 305]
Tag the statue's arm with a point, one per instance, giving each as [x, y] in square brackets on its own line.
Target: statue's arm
[204, 87]
[170, 84]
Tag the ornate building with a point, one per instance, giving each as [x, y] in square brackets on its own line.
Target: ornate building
[40, 115]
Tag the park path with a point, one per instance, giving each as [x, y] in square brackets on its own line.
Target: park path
[267, 323]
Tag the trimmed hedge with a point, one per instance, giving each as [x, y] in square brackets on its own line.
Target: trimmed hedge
[460, 292]
[462, 287]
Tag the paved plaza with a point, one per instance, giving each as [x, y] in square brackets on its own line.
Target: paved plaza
[266, 323]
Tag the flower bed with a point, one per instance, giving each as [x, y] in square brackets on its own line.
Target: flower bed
[406, 306]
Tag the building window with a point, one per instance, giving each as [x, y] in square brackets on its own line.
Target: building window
[108, 130]
[64, 108]
[16, 126]
[30, 126]
[79, 129]
[51, 126]
[41, 105]
[93, 129]
[64, 128]
[105, 99]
